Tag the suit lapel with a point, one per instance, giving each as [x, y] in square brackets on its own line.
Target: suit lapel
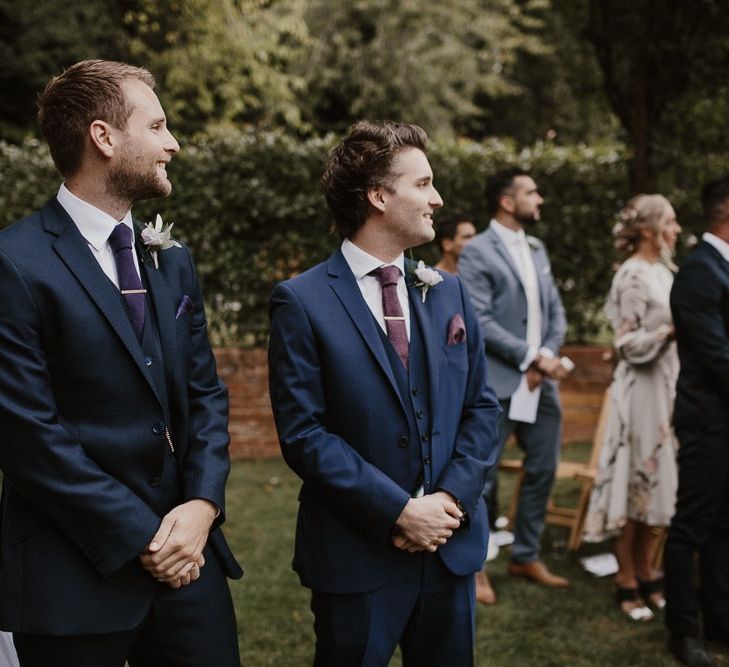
[73, 250]
[160, 299]
[424, 315]
[504, 253]
[348, 293]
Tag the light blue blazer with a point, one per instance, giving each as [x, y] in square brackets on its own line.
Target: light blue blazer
[499, 299]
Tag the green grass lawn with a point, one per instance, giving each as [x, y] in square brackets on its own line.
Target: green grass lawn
[530, 625]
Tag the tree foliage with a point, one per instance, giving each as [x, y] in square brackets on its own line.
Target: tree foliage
[426, 62]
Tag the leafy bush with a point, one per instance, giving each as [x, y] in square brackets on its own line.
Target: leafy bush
[250, 207]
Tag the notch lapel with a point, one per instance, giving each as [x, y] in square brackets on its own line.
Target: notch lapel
[73, 250]
[503, 251]
[424, 314]
[348, 293]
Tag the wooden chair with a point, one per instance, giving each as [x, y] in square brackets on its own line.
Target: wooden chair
[584, 473]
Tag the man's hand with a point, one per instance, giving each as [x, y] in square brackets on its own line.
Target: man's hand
[534, 377]
[552, 367]
[174, 555]
[427, 522]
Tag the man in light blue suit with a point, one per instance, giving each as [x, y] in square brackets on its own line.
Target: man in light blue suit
[378, 385]
[509, 279]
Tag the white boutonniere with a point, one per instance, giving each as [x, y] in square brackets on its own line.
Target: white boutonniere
[157, 236]
[426, 278]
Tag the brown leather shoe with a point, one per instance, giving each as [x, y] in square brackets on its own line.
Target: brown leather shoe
[484, 592]
[538, 572]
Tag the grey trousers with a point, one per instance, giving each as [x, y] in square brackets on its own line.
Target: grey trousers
[540, 443]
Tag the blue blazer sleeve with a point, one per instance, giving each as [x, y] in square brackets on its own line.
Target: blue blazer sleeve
[43, 459]
[359, 492]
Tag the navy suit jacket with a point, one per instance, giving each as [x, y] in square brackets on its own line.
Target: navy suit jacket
[341, 420]
[700, 308]
[495, 287]
[81, 446]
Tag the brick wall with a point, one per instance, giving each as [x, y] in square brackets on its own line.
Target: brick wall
[253, 434]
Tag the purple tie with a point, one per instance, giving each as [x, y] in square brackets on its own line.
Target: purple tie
[129, 281]
[394, 319]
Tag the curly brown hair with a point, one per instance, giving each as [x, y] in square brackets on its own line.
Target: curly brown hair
[362, 161]
[87, 91]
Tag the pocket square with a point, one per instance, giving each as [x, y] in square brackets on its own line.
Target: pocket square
[456, 330]
[184, 307]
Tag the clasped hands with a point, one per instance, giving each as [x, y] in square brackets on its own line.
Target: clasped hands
[174, 556]
[544, 366]
[427, 522]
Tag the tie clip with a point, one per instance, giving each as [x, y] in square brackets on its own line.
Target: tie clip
[134, 291]
[394, 317]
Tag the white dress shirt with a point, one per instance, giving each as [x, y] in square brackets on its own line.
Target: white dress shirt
[721, 245]
[361, 263]
[96, 227]
[518, 246]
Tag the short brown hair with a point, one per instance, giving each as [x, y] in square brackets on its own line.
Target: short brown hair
[361, 161]
[87, 91]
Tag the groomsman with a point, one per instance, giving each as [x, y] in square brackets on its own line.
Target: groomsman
[114, 444]
[509, 279]
[700, 307]
[378, 385]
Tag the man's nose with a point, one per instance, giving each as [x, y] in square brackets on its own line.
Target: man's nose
[436, 201]
[171, 144]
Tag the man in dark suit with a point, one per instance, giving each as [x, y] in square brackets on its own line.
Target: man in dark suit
[114, 441]
[378, 384]
[700, 307]
[509, 279]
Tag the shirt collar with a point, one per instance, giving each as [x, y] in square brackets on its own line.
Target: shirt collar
[94, 224]
[508, 236]
[361, 263]
[721, 245]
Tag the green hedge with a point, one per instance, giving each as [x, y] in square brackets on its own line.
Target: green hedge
[250, 207]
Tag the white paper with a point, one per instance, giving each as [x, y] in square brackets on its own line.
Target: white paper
[524, 403]
[600, 565]
[502, 538]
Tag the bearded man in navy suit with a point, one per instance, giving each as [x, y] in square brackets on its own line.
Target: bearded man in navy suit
[378, 385]
[114, 441]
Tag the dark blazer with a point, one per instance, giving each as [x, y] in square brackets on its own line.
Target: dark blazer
[700, 307]
[82, 438]
[343, 426]
[499, 298]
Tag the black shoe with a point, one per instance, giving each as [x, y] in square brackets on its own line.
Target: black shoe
[690, 651]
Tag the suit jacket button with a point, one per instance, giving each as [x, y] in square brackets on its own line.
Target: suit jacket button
[426, 460]
[158, 428]
[424, 436]
[403, 441]
[147, 360]
[414, 390]
[155, 482]
[419, 414]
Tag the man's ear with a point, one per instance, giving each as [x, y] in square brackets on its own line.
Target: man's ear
[102, 137]
[506, 202]
[376, 198]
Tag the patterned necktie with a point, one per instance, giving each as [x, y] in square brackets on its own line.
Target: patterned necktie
[394, 319]
[129, 282]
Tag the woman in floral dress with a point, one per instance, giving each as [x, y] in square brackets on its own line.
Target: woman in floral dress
[635, 489]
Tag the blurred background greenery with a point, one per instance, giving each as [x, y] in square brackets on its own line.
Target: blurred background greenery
[599, 98]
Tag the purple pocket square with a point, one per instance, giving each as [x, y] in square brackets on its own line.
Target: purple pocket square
[456, 330]
[184, 307]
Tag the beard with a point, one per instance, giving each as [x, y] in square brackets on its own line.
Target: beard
[527, 220]
[129, 182]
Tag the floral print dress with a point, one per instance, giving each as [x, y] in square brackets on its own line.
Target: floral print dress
[637, 475]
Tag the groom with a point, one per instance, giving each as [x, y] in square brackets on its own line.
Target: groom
[114, 444]
[378, 384]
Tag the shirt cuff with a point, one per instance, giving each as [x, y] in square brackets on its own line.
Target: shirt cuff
[546, 352]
